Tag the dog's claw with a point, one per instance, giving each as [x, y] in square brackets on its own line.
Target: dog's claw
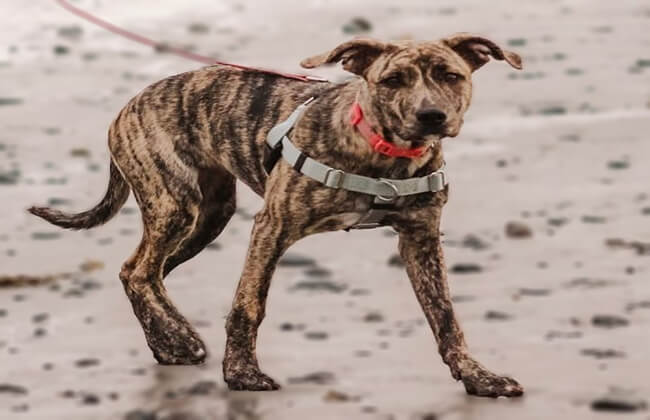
[483, 383]
[250, 379]
[183, 351]
[491, 385]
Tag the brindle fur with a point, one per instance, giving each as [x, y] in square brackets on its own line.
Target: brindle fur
[180, 144]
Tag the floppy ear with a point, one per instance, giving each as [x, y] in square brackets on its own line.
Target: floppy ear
[476, 50]
[356, 55]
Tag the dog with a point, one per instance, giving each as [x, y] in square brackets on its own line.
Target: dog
[181, 143]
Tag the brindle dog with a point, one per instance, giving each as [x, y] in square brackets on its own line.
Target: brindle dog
[180, 144]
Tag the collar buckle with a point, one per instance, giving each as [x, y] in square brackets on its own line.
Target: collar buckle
[382, 147]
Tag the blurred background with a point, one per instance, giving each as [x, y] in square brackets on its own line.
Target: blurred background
[547, 229]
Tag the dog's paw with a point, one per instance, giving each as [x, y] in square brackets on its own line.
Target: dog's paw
[483, 383]
[182, 350]
[249, 378]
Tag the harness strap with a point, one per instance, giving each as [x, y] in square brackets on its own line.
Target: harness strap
[386, 190]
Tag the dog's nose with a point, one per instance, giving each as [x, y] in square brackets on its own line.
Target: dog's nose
[431, 117]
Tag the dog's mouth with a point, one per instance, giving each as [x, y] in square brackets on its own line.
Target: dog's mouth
[419, 139]
[418, 135]
[413, 137]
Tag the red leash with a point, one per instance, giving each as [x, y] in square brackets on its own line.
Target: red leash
[180, 52]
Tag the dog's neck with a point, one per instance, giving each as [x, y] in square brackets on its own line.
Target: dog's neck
[398, 167]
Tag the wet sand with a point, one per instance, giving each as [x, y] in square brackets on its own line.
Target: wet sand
[559, 149]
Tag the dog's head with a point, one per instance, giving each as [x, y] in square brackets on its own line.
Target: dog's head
[416, 91]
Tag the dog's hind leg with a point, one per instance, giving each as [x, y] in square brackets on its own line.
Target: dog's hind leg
[269, 240]
[170, 211]
[216, 208]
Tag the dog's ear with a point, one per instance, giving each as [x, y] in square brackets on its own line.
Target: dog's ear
[476, 50]
[356, 55]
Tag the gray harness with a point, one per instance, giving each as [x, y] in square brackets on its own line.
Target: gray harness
[385, 190]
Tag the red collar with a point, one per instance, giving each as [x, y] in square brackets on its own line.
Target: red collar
[376, 141]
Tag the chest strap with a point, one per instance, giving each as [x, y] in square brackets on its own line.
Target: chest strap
[385, 190]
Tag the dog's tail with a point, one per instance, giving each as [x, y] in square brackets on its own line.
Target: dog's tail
[116, 195]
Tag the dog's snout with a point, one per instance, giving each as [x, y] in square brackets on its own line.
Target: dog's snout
[431, 117]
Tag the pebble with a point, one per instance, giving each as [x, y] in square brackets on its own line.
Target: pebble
[497, 316]
[395, 261]
[618, 403]
[336, 396]
[88, 362]
[633, 306]
[517, 42]
[202, 388]
[73, 292]
[20, 408]
[618, 164]
[70, 31]
[360, 292]
[357, 25]
[318, 272]
[61, 50]
[373, 317]
[319, 286]
[140, 415]
[38, 318]
[602, 353]
[294, 260]
[68, 393]
[518, 230]
[80, 152]
[316, 335]
[557, 221]
[91, 265]
[474, 242]
[609, 321]
[198, 28]
[57, 201]
[593, 219]
[318, 378]
[551, 335]
[288, 326]
[466, 268]
[553, 110]
[12, 389]
[589, 283]
[44, 236]
[534, 292]
[10, 101]
[90, 285]
[90, 399]
[182, 415]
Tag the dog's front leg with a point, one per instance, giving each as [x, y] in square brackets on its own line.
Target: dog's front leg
[421, 250]
[268, 242]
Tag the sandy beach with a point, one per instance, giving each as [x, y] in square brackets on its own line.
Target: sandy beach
[559, 149]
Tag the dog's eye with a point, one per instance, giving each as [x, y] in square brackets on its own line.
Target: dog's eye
[453, 77]
[394, 80]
